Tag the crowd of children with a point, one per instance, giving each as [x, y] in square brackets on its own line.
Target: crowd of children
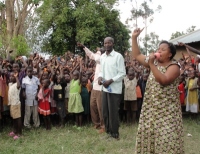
[189, 85]
[42, 90]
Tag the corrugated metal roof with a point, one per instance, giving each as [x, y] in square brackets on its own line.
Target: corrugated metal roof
[188, 38]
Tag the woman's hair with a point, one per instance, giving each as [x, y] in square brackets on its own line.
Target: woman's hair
[171, 47]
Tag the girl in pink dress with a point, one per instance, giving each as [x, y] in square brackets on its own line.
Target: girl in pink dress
[44, 104]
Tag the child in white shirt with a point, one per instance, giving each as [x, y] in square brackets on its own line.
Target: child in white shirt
[130, 97]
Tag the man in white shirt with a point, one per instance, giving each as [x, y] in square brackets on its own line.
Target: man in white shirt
[111, 75]
[95, 99]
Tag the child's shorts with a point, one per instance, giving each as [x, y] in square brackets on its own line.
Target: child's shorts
[15, 111]
[130, 105]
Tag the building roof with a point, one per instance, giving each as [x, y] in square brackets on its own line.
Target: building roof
[188, 38]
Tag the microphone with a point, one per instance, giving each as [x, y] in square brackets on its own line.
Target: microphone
[157, 55]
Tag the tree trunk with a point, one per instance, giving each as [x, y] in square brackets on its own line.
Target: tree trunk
[9, 20]
[16, 13]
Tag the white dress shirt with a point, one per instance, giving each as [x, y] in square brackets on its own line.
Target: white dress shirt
[96, 57]
[112, 67]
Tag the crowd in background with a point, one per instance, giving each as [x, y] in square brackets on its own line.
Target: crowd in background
[42, 90]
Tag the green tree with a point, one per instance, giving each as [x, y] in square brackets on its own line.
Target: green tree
[20, 45]
[13, 21]
[32, 34]
[116, 29]
[190, 29]
[178, 34]
[64, 22]
[151, 42]
[146, 13]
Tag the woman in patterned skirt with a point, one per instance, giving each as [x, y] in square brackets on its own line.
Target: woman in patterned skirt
[160, 127]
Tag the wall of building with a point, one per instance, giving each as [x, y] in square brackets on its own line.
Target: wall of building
[180, 50]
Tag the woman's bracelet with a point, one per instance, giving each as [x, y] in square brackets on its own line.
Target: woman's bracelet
[146, 59]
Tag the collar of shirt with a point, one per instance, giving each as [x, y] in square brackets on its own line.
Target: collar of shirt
[110, 54]
[29, 77]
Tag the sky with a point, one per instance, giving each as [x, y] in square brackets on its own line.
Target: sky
[176, 15]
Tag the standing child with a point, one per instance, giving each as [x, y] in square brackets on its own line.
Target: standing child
[15, 105]
[59, 96]
[44, 104]
[2, 95]
[142, 84]
[30, 85]
[192, 104]
[130, 97]
[21, 75]
[43, 75]
[139, 95]
[67, 79]
[53, 109]
[75, 101]
[85, 96]
[181, 89]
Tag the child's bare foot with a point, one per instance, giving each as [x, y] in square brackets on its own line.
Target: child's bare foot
[16, 137]
[11, 134]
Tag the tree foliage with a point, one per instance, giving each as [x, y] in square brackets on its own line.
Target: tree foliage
[190, 29]
[64, 22]
[178, 34]
[145, 12]
[151, 42]
[13, 21]
[20, 45]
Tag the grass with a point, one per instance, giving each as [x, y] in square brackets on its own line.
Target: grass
[70, 140]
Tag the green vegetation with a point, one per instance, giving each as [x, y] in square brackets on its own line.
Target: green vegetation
[70, 140]
[89, 22]
[20, 45]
